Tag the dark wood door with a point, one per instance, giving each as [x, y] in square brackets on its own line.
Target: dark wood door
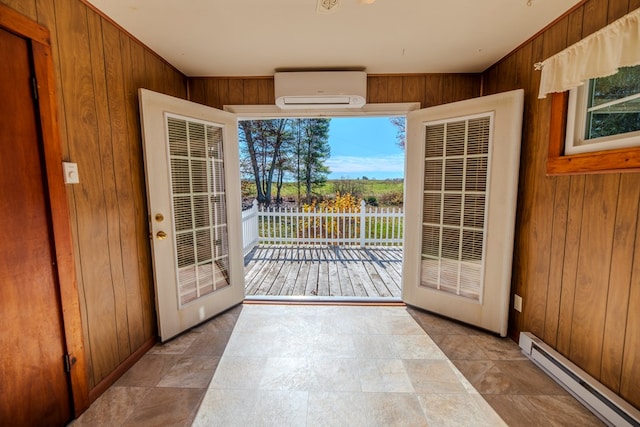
[34, 386]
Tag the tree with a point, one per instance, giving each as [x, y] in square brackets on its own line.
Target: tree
[273, 149]
[315, 151]
[309, 151]
[262, 143]
[401, 131]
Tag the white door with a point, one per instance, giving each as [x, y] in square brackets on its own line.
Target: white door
[461, 183]
[193, 192]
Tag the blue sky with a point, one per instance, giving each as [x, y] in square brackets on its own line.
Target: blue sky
[364, 146]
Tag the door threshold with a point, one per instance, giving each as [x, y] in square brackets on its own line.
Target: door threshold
[312, 300]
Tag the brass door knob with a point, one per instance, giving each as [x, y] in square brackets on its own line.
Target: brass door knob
[161, 235]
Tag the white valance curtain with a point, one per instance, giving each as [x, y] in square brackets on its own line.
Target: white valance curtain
[597, 55]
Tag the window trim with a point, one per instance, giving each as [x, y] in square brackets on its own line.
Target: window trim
[605, 161]
[577, 118]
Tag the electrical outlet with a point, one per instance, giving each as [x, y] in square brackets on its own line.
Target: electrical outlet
[517, 303]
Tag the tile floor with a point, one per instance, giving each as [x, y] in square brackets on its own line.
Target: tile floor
[337, 366]
[330, 371]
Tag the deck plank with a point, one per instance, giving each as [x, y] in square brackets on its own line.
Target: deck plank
[324, 271]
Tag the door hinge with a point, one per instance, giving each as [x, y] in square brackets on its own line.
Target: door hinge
[34, 84]
[69, 361]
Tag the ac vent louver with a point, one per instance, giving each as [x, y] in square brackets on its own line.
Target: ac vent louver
[320, 89]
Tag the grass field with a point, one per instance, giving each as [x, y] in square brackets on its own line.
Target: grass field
[388, 192]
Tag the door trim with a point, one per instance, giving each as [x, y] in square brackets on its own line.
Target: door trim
[47, 117]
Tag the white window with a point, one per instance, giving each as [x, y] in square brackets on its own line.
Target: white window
[604, 114]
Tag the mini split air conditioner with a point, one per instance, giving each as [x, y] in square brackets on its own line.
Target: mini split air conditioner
[320, 89]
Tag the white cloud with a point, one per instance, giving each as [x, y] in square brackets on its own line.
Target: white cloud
[357, 164]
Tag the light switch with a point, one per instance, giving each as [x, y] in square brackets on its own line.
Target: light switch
[70, 173]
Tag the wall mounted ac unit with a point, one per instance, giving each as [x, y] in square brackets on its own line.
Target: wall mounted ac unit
[320, 89]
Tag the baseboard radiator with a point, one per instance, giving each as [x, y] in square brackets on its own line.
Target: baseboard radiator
[605, 404]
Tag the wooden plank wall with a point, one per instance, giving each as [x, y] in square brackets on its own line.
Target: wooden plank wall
[98, 70]
[428, 89]
[577, 255]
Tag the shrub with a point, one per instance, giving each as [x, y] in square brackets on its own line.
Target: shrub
[324, 227]
[392, 198]
[348, 187]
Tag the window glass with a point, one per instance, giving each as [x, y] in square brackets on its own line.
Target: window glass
[614, 104]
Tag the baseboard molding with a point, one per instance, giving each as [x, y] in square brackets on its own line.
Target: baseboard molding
[604, 403]
[108, 381]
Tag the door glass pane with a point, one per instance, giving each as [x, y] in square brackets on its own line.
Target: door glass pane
[453, 222]
[199, 207]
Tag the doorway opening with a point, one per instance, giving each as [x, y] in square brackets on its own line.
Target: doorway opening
[323, 207]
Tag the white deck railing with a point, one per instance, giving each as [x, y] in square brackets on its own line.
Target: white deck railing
[250, 228]
[368, 226]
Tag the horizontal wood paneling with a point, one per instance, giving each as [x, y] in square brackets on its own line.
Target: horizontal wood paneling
[428, 89]
[577, 255]
[98, 69]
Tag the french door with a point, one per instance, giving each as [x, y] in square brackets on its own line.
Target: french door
[193, 193]
[461, 184]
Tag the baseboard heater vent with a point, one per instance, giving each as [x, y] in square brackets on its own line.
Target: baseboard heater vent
[605, 404]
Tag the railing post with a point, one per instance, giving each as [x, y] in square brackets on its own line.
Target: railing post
[254, 223]
[363, 218]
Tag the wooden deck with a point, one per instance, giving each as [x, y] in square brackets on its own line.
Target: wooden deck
[332, 271]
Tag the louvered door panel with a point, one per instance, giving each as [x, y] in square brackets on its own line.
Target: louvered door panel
[456, 167]
[199, 207]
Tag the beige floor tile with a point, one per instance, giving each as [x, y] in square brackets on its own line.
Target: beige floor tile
[338, 325]
[374, 346]
[497, 348]
[244, 408]
[223, 323]
[280, 408]
[460, 347]
[367, 325]
[395, 409]
[338, 409]
[113, 407]
[166, 407]
[238, 373]
[148, 371]
[454, 410]
[384, 376]
[256, 345]
[563, 411]
[416, 347]
[402, 325]
[438, 325]
[209, 344]
[433, 376]
[226, 407]
[339, 375]
[333, 346]
[190, 372]
[335, 365]
[288, 373]
[516, 410]
[508, 377]
[176, 345]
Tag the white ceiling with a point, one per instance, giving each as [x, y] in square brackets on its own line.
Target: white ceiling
[258, 37]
